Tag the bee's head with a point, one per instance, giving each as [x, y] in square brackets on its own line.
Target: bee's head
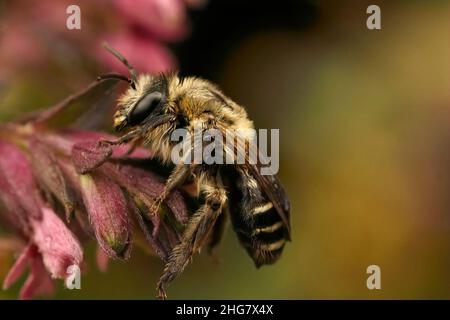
[144, 104]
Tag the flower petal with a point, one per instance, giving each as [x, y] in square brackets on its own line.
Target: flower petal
[107, 209]
[18, 268]
[38, 281]
[11, 212]
[56, 243]
[102, 260]
[89, 155]
[163, 230]
[138, 181]
[80, 211]
[17, 179]
[49, 174]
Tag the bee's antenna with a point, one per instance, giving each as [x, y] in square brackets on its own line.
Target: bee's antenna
[124, 61]
[117, 76]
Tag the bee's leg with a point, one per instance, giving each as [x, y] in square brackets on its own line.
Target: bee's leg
[134, 144]
[176, 179]
[123, 139]
[197, 231]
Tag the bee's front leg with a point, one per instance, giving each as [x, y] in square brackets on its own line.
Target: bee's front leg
[176, 179]
[197, 231]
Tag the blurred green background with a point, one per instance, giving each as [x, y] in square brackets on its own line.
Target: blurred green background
[364, 120]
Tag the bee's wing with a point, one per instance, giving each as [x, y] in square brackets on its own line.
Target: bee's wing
[271, 186]
[87, 107]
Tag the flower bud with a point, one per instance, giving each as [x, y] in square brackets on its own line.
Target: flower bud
[107, 209]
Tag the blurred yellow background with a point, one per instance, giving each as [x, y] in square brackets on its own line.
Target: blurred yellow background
[364, 120]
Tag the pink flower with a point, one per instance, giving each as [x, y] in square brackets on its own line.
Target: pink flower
[99, 188]
[51, 243]
[142, 27]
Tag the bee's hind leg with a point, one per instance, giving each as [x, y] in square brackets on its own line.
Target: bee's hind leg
[197, 231]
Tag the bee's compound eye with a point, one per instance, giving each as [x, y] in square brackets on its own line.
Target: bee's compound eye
[144, 107]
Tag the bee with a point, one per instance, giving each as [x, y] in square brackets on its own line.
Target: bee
[156, 105]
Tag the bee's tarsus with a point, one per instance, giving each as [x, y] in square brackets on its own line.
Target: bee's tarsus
[161, 291]
[156, 205]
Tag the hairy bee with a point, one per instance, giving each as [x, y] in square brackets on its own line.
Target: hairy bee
[151, 109]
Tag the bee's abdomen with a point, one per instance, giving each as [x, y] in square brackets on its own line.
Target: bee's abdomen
[258, 225]
[265, 234]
